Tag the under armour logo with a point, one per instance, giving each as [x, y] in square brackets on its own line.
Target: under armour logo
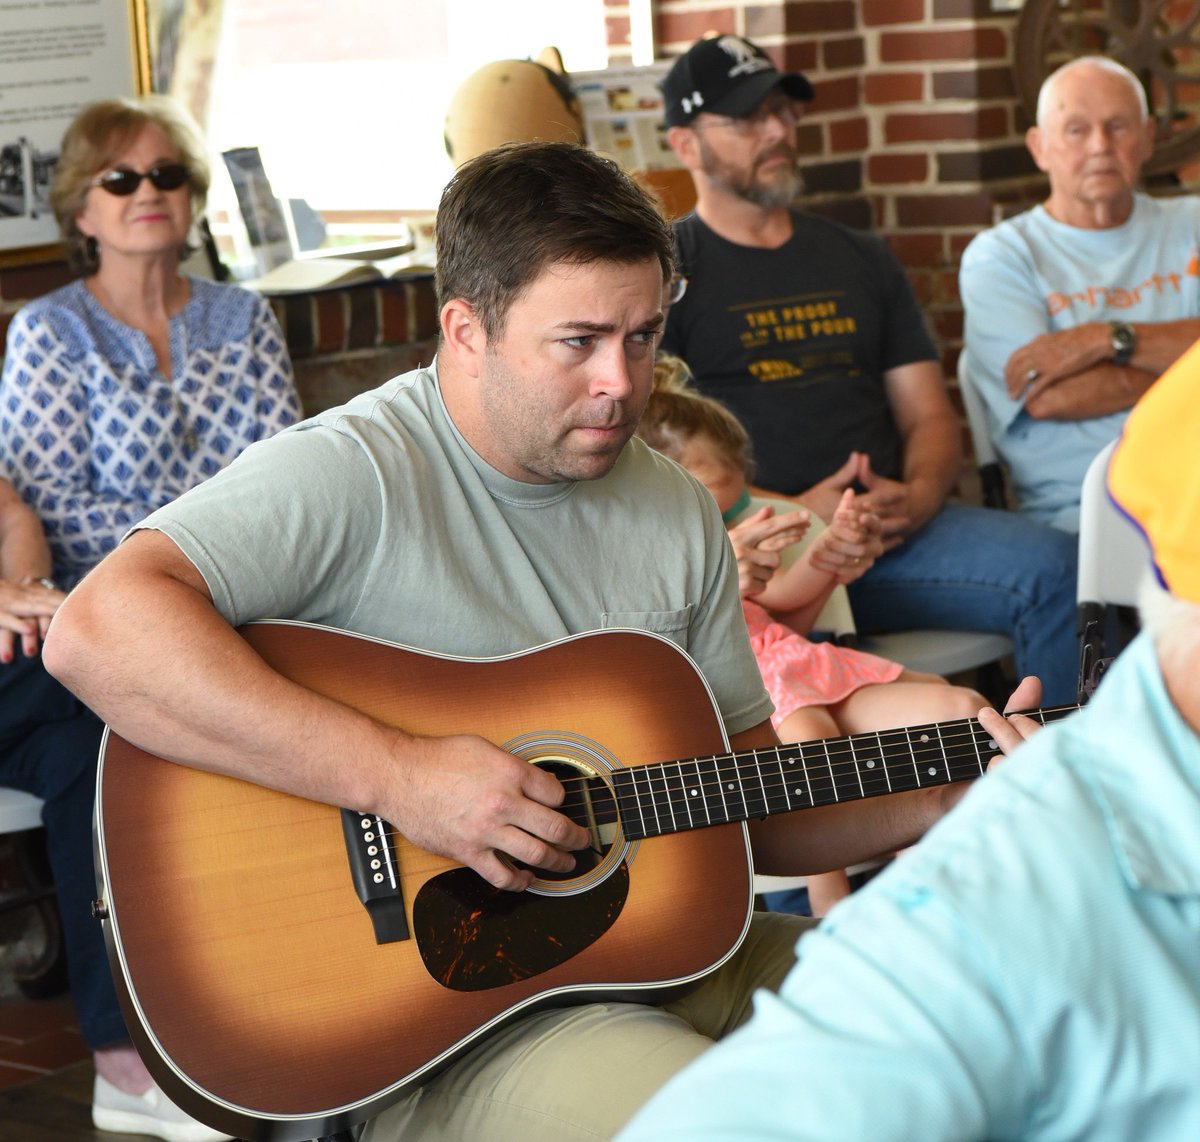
[692, 102]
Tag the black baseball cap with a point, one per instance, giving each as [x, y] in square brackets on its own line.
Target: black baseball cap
[725, 75]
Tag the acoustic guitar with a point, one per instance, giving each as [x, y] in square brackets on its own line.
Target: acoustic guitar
[288, 968]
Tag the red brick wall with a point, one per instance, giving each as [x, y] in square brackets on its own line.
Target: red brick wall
[916, 129]
[28, 276]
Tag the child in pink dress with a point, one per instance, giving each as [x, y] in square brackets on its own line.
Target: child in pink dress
[819, 689]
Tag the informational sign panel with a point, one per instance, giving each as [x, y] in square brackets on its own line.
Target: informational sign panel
[55, 57]
[622, 115]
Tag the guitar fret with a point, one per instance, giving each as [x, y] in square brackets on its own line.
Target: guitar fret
[699, 803]
[927, 764]
[798, 788]
[783, 781]
[733, 803]
[971, 763]
[847, 781]
[871, 764]
[675, 797]
[756, 800]
[818, 776]
[829, 769]
[670, 793]
[629, 806]
[687, 793]
[862, 792]
[650, 827]
[668, 797]
[774, 790]
[899, 761]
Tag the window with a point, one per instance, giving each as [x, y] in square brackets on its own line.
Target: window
[346, 98]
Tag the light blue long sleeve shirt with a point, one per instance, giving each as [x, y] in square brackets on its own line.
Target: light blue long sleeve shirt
[1030, 971]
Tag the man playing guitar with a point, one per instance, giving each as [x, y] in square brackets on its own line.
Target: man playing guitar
[489, 503]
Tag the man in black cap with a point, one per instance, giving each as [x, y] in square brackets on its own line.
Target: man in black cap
[810, 333]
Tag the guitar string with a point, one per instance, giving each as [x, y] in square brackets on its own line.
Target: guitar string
[830, 765]
[829, 770]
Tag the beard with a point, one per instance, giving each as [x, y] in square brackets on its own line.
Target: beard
[744, 182]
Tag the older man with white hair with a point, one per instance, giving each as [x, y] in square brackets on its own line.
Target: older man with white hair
[1074, 308]
[1032, 968]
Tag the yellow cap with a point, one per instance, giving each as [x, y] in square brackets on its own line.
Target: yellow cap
[1154, 475]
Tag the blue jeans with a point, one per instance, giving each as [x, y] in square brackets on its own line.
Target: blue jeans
[974, 568]
[49, 745]
[795, 900]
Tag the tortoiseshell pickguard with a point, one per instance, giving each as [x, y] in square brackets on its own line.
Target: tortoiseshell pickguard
[473, 937]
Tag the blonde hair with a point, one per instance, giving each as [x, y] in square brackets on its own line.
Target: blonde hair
[96, 138]
[676, 414]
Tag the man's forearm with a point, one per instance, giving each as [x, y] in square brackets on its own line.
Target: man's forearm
[933, 459]
[153, 658]
[818, 840]
[1098, 391]
[1161, 343]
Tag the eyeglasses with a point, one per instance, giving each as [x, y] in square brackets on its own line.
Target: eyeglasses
[784, 110]
[168, 176]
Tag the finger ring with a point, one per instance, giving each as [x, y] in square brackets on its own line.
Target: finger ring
[1032, 374]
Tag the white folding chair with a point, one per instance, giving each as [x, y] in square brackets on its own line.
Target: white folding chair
[987, 459]
[931, 651]
[1113, 558]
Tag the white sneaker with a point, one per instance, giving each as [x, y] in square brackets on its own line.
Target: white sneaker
[151, 1113]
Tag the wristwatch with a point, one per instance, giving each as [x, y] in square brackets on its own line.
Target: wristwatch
[1123, 340]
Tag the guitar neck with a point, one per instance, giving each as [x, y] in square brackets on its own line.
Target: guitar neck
[672, 796]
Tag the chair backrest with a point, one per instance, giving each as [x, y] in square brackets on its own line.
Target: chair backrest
[836, 618]
[932, 651]
[1113, 556]
[987, 460]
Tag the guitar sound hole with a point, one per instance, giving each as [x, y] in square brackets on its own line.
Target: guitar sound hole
[589, 803]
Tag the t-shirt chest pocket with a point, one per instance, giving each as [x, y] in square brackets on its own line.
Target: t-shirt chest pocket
[673, 625]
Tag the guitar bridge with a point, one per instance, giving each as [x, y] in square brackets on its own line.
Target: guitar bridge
[376, 877]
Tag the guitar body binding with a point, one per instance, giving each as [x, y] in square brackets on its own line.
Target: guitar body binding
[258, 984]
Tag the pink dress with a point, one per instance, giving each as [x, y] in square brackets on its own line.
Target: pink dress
[800, 673]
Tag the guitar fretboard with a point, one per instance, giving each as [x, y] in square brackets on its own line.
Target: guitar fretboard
[669, 797]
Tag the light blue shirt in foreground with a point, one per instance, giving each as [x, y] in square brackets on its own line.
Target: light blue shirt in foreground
[1030, 971]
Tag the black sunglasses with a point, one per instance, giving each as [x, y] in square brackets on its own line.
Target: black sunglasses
[168, 176]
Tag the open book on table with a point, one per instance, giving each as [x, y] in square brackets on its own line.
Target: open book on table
[302, 275]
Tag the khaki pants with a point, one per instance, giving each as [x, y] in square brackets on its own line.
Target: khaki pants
[582, 1072]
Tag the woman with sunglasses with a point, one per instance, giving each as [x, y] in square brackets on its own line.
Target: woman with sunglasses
[119, 392]
[136, 382]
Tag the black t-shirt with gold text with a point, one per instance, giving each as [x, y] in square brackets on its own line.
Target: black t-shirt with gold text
[796, 341]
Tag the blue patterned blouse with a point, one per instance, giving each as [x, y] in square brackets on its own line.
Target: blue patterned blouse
[96, 438]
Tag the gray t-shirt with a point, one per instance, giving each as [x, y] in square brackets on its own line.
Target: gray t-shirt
[378, 517]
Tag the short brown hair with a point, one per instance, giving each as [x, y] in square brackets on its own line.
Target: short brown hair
[96, 138]
[510, 212]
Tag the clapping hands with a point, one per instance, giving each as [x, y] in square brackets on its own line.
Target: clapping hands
[757, 542]
[851, 543]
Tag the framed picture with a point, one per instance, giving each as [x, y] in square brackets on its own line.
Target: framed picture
[54, 59]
